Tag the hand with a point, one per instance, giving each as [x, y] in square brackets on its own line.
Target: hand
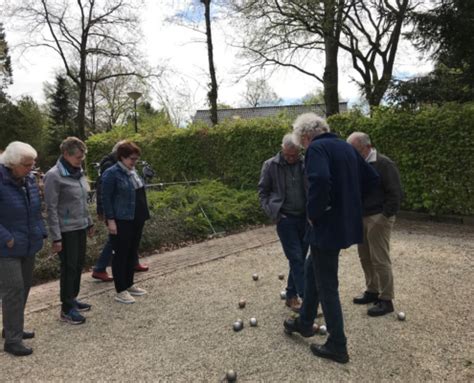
[57, 247]
[112, 227]
[11, 243]
[90, 231]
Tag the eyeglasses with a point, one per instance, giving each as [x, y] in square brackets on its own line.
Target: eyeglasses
[133, 158]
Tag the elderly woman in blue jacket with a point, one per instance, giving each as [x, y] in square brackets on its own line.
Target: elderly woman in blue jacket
[126, 210]
[22, 232]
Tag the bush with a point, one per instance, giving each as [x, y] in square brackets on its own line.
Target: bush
[176, 217]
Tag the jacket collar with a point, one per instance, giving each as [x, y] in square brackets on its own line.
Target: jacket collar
[6, 177]
[325, 135]
[280, 160]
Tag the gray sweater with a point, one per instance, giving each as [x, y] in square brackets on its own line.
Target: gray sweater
[66, 202]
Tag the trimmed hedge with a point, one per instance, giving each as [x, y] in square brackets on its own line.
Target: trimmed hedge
[432, 147]
[176, 218]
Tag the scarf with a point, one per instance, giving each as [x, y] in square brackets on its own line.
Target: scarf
[73, 172]
[134, 177]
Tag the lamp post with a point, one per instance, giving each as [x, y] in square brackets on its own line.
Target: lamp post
[135, 96]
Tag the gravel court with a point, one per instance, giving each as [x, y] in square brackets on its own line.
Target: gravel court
[182, 330]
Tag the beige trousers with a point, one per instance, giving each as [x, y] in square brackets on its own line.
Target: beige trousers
[374, 254]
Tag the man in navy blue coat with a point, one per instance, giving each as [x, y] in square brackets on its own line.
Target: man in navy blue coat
[338, 178]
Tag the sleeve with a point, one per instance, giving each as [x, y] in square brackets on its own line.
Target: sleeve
[319, 182]
[51, 199]
[392, 189]
[108, 189]
[265, 188]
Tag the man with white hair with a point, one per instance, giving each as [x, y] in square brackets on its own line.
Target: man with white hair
[282, 196]
[338, 178]
[380, 208]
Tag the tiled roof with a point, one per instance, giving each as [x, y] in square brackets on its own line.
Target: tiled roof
[264, 111]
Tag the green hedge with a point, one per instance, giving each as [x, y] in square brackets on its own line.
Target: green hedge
[432, 147]
[176, 218]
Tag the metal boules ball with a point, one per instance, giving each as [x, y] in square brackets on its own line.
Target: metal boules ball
[281, 276]
[242, 303]
[255, 277]
[238, 325]
[231, 376]
[253, 322]
[283, 294]
[322, 330]
[401, 316]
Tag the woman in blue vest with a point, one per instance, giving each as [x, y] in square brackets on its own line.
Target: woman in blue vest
[22, 232]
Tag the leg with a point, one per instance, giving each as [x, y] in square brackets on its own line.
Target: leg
[135, 244]
[309, 308]
[365, 256]
[290, 237]
[325, 266]
[13, 299]
[105, 257]
[81, 247]
[379, 243]
[122, 248]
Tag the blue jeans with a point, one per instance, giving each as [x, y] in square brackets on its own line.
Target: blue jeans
[322, 286]
[291, 231]
[105, 257]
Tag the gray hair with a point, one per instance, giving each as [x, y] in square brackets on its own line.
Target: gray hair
[114, 149]
[362, 138]
[71, 145]
[16, 152]
[289, 141]
[310, 125]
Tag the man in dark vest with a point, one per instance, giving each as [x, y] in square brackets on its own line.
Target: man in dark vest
[380, 208]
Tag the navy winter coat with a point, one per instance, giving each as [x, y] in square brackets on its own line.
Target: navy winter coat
[338, 179]
[20, 216]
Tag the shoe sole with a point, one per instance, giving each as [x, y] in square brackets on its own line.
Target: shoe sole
[123, 301]
[137, 294]
[69, 321]
[290, 332]
[379, 314]
[102, 279]
[342, 360]
[84, 310]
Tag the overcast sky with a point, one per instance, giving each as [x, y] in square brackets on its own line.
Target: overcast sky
[178, 48]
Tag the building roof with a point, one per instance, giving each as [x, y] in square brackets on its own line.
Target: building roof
[264, 111]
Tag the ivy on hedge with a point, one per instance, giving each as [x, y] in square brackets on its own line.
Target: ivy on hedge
[433, 148]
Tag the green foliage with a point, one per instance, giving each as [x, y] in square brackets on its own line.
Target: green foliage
[433, 148]
[176, 218]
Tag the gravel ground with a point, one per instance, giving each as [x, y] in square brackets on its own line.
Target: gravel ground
[182, 330]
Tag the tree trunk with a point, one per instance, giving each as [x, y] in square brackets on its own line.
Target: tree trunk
[212, 94]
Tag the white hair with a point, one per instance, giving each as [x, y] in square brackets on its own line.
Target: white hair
[362, 138]
[16, 152]
[289, 141]
[310, 125]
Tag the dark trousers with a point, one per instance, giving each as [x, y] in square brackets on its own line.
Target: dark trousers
[125, 245]
[72, 258]
[105, 257]
[291, 231]
[15, 282]
[322, 285]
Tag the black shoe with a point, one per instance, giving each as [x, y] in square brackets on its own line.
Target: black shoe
[17, 349]
[294, 325]
[365, 298]
[380, 308]
[324, 352]
[26, 334]
[82, 306]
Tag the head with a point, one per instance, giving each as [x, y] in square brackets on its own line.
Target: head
[128, 153]
[19, 157]
[290, 148]
[307, 126]
[361, 142]
[73, 151]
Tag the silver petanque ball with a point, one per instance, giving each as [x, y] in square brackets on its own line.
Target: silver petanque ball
[253, 322]
[237, 326]
[255, 277]
[281, 276]
[401, 316]
[242, 303]
[231, 376]
[283, 294]
[322, 330]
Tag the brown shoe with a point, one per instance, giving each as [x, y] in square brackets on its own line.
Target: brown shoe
[294, 303]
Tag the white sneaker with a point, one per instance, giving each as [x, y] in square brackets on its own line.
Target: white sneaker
[136, 291]
[124, 297]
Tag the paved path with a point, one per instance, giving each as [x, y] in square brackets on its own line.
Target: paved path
[45, 296]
